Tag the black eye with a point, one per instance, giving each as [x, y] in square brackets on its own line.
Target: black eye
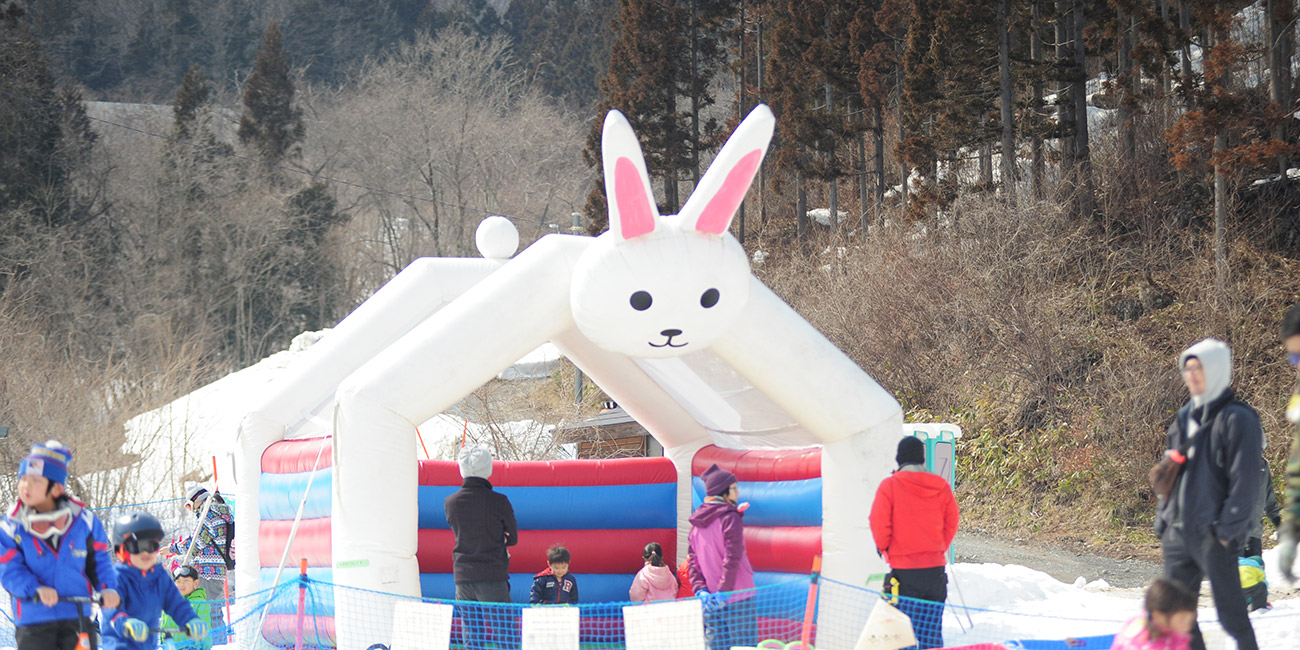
[709, 298]
[641, 301]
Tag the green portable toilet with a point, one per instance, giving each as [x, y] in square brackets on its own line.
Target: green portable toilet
[940, 451]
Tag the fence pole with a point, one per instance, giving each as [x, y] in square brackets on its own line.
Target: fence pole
[805, 637]
[302, 600]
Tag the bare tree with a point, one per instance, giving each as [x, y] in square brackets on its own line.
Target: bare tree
[440, 134]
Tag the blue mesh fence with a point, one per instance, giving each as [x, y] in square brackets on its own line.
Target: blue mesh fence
[772, 616]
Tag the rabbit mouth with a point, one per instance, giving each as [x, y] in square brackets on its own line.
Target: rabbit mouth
[668, 341]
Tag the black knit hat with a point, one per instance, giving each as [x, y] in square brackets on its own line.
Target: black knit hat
[910, 451]
[1291, 322]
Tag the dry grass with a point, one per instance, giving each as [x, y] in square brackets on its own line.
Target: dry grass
[1052, 342]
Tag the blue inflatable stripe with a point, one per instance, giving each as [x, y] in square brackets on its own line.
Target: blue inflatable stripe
[774, 503]
[320, 597]
[1085, 643]
[587, 507]
[592, 587]
[766, 578]
[280, 495]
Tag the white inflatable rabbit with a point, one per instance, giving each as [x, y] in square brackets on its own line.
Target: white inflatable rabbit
[657, 286]
[662, 312]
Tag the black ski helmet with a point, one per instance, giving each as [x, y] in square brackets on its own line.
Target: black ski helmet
[131, 528]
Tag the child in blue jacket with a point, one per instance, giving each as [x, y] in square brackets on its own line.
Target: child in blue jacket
[554, 585]
[52, 548]
[147, 591]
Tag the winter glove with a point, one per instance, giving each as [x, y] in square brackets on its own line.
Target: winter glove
[1286, 557]
[197, 629]
[135, 629]
[712, 602]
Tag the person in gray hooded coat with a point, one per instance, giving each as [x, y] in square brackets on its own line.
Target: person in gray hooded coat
[1207, 517]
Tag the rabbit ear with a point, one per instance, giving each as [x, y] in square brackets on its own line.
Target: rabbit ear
[714, 201]
[632, 212]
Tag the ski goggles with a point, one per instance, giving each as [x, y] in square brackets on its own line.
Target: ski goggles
[47, 524]
[147, 545]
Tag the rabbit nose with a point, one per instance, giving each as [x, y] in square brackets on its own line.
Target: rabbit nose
[671, 333]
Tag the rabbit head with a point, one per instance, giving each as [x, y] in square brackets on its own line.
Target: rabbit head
[655, 286]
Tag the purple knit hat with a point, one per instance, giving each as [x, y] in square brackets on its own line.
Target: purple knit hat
[717, 481]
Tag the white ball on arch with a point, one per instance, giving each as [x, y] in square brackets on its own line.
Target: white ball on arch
[496, 238]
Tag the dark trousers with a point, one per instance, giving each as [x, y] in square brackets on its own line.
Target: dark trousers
[732, 624]
[1189, 559]
[55, 635]
[922, 595]
[481, 627]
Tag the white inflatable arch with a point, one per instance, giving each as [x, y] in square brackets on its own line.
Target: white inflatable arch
[662, 312]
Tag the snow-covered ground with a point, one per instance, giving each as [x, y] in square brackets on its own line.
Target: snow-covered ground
[1015, 602]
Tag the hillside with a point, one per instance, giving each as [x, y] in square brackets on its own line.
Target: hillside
[1053, 343]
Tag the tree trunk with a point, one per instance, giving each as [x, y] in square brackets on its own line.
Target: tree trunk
[670, 192]
[1004, 86]
[904, 171]
[878, 138]
[800, 207]
[758, 70]
[741, 106]
[1085, 198]
[695, 101]
[1185, 36]
[1281, 46]
[1037, 170]
[862, 172]
[1220, 219]
[1079, 93]
[986, 164]
[1064, 106]
[833, 192]
[1126, 85]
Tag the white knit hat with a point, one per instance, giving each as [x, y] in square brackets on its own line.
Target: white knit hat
[475, 461]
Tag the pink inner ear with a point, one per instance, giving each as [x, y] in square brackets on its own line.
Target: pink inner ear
[634, 215]
[722, 207]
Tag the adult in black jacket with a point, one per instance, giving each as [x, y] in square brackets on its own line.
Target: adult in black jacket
[484, 525]
[1204, 523]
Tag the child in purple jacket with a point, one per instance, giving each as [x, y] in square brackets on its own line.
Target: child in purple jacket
[718, 563]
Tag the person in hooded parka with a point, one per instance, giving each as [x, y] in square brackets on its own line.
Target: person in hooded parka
[1205, 521]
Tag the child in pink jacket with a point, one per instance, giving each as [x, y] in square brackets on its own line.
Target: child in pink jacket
[1167, 625]
[656, 580]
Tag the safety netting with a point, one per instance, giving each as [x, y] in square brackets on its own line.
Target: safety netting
[823, 613]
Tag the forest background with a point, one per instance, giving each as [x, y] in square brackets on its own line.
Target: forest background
[185, 186]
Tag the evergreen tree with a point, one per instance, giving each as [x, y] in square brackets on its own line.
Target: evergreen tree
[44, 133]
[566, 67]
[813, 87]
[877, 76]
[658, 73]
[271, 123]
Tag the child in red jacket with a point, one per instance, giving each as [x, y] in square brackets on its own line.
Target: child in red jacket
[913, 520]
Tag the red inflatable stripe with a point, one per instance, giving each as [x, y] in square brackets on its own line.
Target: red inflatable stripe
[312, 542]
[593, 551]
[783, 549]
[558, 473]
[294, 456]
[761, 464]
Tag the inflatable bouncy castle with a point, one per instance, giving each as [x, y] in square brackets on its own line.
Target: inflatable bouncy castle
[663, 313]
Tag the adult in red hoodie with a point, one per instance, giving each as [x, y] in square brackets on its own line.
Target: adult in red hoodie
[914, 519]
